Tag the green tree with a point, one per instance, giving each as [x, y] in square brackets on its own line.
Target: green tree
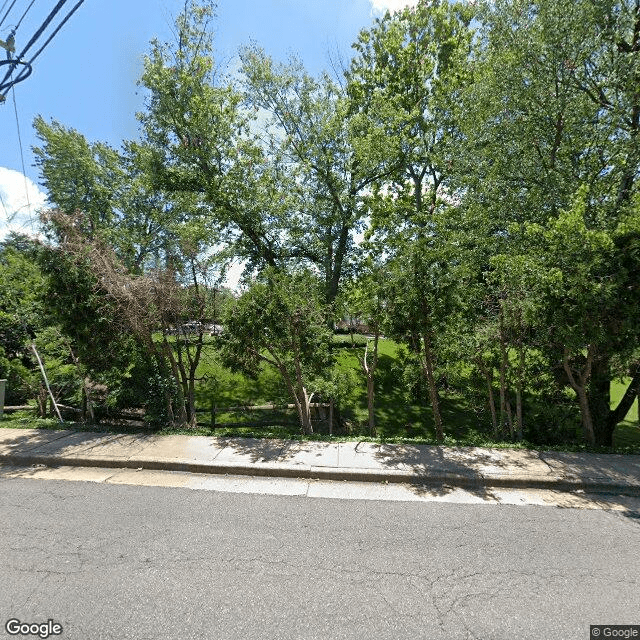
[152, 308]
[423, 295]
[25, 322]
[281, 320]
[111, 189]
[584, 297]
[404, 86]
[328, 175]
[128, 222]
[364, 301]
[198, 142]
[554, 106]
[21, 315]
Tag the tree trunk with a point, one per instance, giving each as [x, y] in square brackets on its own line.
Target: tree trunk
[182, 411]
[505, 406]
[42, 401]
[433, 391]
[370, 404]
[305, 411]
[599, 397]
[191, 404]
[191, 383]
[520, 390]
[304, 398]
[626, 402]
[509, 415]
[585, 410]
[87, 403]
[299, 396]
[330, 417]
[580, 387]
[492, 402]
[487, 372]
[369, 370]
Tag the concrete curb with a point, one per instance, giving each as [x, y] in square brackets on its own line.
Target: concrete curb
[437, 478]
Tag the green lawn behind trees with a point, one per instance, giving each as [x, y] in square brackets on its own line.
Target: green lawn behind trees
[400, 417]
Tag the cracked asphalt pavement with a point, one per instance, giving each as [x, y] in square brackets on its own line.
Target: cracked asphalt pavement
[148, 563]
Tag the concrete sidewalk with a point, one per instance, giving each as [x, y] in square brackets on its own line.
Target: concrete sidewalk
[351, 461]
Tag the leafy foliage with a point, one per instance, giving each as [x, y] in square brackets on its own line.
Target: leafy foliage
[488, 154]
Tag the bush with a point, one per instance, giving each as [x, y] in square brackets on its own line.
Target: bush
[161, 388]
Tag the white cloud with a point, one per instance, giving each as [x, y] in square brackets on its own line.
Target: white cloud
[17, 213]
[380, 6]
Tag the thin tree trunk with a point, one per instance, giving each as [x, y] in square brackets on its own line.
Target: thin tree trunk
[488, 376]
[191, 404]
[330, 417]
[369, 370]
[509, 415]
[87, 405]
[299, 396]
[505, 408]
[296, 399]
[190, 397]
[46, 381]
[598, 389]
[305, 403]
[42, 401]
[580, 387]
[182, 412]
[370, 403]
[433, 391]
[519, 412]
[626, 402]
[520, 390]
[587, 422]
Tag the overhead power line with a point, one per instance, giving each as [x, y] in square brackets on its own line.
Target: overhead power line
[43, 26]
[8, 10]
[39, 51]
[24, 173]
[19, 60]
[4, 206]
[23, 15]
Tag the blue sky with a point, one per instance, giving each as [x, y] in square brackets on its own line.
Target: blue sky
[86, 77]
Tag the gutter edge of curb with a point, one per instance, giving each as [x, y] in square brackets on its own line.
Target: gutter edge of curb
[333, 473]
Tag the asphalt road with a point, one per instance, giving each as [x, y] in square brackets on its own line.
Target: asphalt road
[149, 563]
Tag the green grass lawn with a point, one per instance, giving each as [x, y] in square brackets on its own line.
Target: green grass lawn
[399, 418]
[466, 421]
[627, 433]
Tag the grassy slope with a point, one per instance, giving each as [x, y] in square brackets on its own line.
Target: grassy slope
[628, 431]
[397, 417]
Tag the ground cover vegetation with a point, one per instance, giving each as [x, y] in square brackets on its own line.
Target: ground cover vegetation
[442, 242]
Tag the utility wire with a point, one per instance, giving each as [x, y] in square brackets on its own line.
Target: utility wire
[24, 173]
[8, 10]
[39, 51]
[43, 26]
[35, 36]
[23, 75]
[4, 206]
[25, 72]
[23, 15]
